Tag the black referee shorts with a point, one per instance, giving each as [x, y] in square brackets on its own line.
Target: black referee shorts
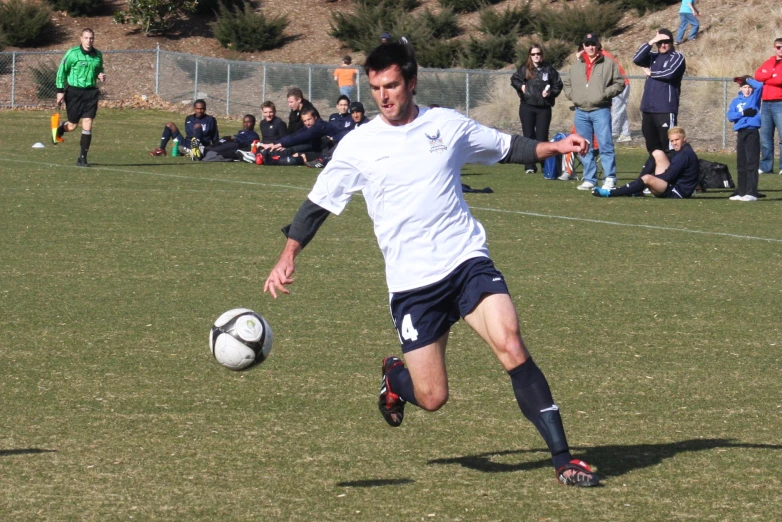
[81, 103]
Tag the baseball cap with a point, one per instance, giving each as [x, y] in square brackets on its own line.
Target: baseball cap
[741, 80]
[591, 38]
[667, 33]
[357, 106]
[387, 36]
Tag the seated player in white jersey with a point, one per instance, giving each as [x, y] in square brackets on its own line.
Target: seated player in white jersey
[407, 163]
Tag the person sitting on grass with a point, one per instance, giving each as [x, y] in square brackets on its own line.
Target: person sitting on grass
[307, 139]
[674, 179]
[272, 127]
[357, 114]
[227, 147]
[341, 119]
[200, 129]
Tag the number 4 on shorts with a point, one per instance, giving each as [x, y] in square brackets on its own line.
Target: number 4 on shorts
[408, 332]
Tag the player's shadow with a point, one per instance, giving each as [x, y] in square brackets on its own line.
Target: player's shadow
[373, 483]
[24, 451]
[612, 460]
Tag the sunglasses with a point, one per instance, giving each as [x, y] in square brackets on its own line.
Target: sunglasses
[778, 47]
[664, 42]
[538, 54]
[590, 45]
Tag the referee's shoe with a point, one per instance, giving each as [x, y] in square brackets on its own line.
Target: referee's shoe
[82, 162]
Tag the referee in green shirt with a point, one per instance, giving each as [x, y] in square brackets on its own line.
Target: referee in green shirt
[79, 72]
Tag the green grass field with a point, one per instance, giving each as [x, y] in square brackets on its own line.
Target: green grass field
[657, 323]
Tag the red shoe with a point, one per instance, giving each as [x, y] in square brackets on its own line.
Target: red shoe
[158, 152]
[391, 405]
[580, 475]
[259, 159]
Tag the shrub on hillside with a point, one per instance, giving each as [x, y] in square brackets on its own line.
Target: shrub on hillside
[208, 7]
[555, 52]
[248, 31]
[466, 6]
[513, 20]
[492, 52]
[572, 23]
[25, 24]
[642, 6]
[154, 16]
[361, 29]
[404, 5]
[443, 25]
[79, 7]
[439, 54]
[45, 76]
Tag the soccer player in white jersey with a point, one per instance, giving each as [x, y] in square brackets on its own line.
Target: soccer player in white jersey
[407, 163]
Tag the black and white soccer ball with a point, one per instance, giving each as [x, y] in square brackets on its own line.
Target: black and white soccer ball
[240, 339]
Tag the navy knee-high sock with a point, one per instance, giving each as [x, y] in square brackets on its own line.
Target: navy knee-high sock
[86, 139]
[534, 398]
[165, 138]
[402, 384]
[634, 187]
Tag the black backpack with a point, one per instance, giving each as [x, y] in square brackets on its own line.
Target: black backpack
[714, 175]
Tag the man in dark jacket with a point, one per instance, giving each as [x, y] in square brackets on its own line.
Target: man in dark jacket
[673, 179]
[229, 145]
[200, 129]
[307, 139]
[357, 114]
[272, 127]
[664, 70]
[297, 104]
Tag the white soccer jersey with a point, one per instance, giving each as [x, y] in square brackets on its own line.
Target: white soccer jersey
[410, 176]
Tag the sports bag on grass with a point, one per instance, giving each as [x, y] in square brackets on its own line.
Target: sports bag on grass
[714, 175]
[552, 167]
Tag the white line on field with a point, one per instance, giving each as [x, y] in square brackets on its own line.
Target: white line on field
[517, 212]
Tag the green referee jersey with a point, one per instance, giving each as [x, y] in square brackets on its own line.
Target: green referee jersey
[79, 68]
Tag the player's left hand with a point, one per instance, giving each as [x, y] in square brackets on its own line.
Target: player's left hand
[102, 77]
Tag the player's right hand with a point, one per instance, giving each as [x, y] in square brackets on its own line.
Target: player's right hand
[279, 277]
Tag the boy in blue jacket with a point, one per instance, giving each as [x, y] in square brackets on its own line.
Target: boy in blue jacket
[744, 113]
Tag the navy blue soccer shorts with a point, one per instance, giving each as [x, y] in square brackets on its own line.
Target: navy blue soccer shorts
[423, 315]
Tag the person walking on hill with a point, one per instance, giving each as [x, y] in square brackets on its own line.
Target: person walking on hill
[76, 82]
[688, 15]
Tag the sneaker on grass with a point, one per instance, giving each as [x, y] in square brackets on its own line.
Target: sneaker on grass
[577, 473]
[601, 192]
[609, 183]
[587, 185]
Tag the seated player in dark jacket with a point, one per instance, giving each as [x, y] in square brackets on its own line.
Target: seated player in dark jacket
[200, 129]
[292, 148]
[242, 140]
[272, 127]
[341, 119]
[675, 178]
[296, 103]
[357, 115]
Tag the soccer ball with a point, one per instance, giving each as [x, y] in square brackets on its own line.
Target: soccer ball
[240, 339]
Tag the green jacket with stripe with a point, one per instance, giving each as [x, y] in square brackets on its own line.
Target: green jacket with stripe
[79, 68]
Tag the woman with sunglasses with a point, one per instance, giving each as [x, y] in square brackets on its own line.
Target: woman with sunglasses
[537, 84]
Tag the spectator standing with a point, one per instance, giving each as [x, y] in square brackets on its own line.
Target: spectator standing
[272, 127]
[296, 103]
[770, 74]
[76, 81]
[688, 15]
[591, 84]
[664, 70]
[538, 84]
[345, 76]
[620, 122]
[744, 113]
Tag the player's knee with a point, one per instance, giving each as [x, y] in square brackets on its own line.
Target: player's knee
[431, 400]
[171, 126]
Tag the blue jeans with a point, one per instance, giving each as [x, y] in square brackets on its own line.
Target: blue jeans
[347, 90]
[597, 123]
[687, 18]
[770, 118]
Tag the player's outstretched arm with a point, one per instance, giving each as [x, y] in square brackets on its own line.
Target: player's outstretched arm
[281, 274]
[572, 143]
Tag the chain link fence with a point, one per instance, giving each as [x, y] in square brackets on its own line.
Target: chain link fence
[234, 88]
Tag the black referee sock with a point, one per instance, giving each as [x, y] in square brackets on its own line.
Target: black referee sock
[634, 187]
[534, 398]
[402, 384]
[86, 138]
